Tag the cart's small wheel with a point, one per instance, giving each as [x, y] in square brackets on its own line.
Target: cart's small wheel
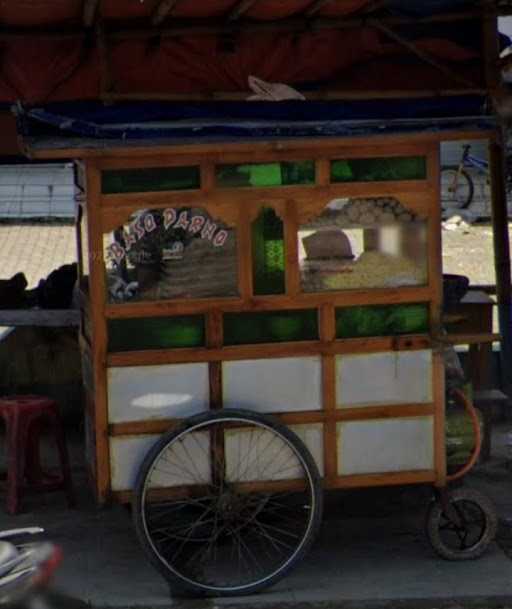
[468, 527]
[227, 503]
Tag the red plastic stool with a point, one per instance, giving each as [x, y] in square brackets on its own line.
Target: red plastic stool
[25, 416]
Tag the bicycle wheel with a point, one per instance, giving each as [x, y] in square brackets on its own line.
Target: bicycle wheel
[227, 503]
[457, 188]
[466, 530]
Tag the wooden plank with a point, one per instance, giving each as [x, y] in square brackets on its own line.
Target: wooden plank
[326, 416]
[434, 243]
[99, 337]
[323, 172]
[224, 205]
[368, 413]
[104, 151]
[438, 384]
[297, 149]
[129, 202]
[263, 351]
[214, 339]
[327, 327]
[78, 237]
[207, 170]
[384, 479]
[354, 481]
[348, 298]
[291, 233]
[163, 9]
[245, 266]
[40, 317]
[472, 339]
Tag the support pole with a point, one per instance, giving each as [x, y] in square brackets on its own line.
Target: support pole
[501, 241]
[502, 257]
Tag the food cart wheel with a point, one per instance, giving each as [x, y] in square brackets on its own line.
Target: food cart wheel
[462, 526]
[227, 503]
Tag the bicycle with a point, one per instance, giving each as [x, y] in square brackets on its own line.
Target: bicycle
[457, 186]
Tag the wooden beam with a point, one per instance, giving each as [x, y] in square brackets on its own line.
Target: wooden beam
[425, 57]
[502, 264]
[89, 12]
[207, 27]
[106, 82]
[316, 6]
[39, 317]
[240, 9]
[163, 10]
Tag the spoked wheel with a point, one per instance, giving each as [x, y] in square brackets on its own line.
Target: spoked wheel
[227, 503]
[457, 188]
[466, 529]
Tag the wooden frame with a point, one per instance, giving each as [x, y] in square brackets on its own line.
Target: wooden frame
[107, 211]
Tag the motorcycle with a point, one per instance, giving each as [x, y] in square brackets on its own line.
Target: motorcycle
[25, 568]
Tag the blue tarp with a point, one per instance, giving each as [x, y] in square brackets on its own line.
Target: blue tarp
[252, 119]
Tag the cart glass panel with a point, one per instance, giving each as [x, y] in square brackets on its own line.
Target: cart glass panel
[171, 253]
[141, 333]
[382, 320]
[363, 243]
[268, 253]
[284, 173]
[151, 179]
[379, 169]
[270, 327]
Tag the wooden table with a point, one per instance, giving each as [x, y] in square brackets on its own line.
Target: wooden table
[470, 323]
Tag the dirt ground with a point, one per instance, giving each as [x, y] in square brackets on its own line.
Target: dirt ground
[469, 251]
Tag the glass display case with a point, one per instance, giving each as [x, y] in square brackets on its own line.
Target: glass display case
[363, 243]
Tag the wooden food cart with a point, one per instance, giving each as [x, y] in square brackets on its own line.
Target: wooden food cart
[273, 308]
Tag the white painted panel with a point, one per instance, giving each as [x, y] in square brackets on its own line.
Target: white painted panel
[313, 437]
[384, 378]
[141, 393]
[257, 454]
[385, 445]
[185, 462]
[126, 456]
[273, 385]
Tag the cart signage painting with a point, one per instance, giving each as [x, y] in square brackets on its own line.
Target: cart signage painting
[146, 223]
[171, 253]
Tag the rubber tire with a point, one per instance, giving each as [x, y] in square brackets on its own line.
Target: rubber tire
[177, 584]
[469, 180]
[434, 516]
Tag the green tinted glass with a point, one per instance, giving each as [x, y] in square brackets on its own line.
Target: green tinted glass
[150, 180]
[388, 320]
[266, 174]
[270, 327]
[379, 169]
[155, 333]
[268, 253]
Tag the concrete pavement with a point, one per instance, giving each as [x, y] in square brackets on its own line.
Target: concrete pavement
[371, 552]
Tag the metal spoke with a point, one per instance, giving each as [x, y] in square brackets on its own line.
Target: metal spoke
[218, 534]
